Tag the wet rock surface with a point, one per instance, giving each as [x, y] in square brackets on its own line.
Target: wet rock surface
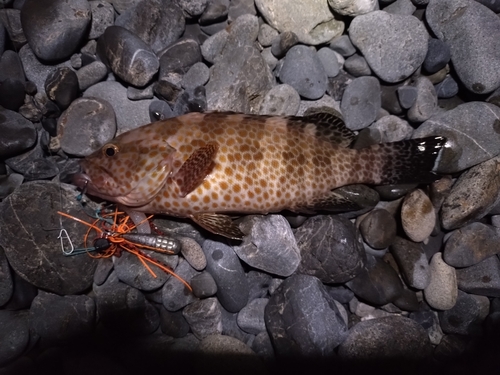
[414, 270]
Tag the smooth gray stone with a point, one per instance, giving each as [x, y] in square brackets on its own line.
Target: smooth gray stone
[473, 133]
[426, 103]
[225, 267]
[441, 291]
[204, 317]
[330, 249]
[281, 100]
[313, 20]
[302, 69]
[55, 28]
[393, 45]
[62, 318]
[393, 337]
[269, 245]
[128, 56]
[472, 32]
[473, 195]
[302, 319]
[86, 126]
[482, 278]
[361, 102]
[471, 244]
[30, 205]
[156, 22]
[412, 262]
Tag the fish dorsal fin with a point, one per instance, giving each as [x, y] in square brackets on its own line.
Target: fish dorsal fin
[218, 224]
[194, 170]
[329, 126]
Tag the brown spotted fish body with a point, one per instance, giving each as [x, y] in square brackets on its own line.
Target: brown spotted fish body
[205, 166]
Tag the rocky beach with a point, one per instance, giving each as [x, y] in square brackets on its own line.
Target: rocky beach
[408, 283]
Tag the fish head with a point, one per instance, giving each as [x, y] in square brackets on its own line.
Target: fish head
[131, 169]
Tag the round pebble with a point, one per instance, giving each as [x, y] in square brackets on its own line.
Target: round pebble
[55, 28]
[357, 66]
[203, 285]
[193, 253]
[482, 278]
[378, 229]
[251, 317]
[196, 76]
[391, 129]
[282, 43]
[377, 283]
[156, 23]
[447, 88]
[393, 45]
[91, 74]
[175, 294]
[128, 56]
[329, 249]
[309, 82]
[471, 244]
[438, 55]
[86, 126]
[393, 337]
[475, 51]
[472, 131]
[296, 328]
[343, 45]
[103, 16]
[472, 196]
[18, 134]
[54, 317]
[46, 267]
[266, 35]
[441, 292]
[129, 114]
[302, 18]
[361, 102]
[426, 102]
[407, 96]
[281, 100]
[204, 317]
[225, 267]
[269, 237]
[61, 87]
[412, 263]
[418, 216]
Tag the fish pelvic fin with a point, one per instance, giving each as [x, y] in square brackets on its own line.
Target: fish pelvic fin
[219, 224]
[404, 162]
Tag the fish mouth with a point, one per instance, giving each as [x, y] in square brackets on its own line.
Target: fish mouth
[84, 182]
[81, 180]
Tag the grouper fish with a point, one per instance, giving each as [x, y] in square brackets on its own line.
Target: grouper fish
[209, 166]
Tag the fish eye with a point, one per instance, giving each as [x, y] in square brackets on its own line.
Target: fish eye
[109, 150]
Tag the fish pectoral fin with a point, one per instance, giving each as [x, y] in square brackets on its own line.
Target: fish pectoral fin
[331, 201]
[194, 170]
[218, 224]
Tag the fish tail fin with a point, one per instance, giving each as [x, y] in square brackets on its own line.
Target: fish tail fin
[404, 162]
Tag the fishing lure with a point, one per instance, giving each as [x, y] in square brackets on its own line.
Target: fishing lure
[112, 235]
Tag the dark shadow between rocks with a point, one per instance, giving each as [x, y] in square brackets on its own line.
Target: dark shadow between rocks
[110, 355]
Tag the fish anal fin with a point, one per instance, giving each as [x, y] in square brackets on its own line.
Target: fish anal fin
[219, 224]
[194, 170]
[331, 202]
[328, 126]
